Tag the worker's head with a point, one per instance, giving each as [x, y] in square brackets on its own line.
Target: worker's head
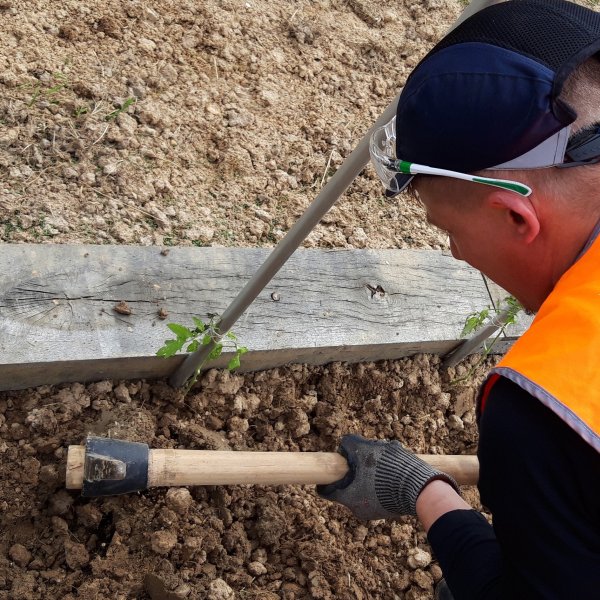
[512, 97]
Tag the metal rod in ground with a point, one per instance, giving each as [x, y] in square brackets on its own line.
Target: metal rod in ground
[328, 196]
[476, 341]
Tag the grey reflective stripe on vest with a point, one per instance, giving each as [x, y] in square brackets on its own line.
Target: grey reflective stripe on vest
[555, 405]
[595, 234]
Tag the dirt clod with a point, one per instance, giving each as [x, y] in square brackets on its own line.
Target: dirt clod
[179, 499]
[122, 308]
[162, 542]
[76, 555]
[257, 568]
[20, 555]
[219, 590]
[419, 559]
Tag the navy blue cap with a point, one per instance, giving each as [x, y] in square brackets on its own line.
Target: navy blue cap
[486, 96]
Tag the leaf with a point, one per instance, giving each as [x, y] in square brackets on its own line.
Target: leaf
[242, 350]
[55, 89]
[474, 322]
[206, 340]
[469, 326]
[170, 348]
[36, 95]
[180, 331]
[215, 352]
[199, 323]
[231, 335]
[234, 363]
[193, 346]
[514, 307]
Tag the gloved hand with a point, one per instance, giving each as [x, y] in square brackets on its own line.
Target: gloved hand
[383, 481]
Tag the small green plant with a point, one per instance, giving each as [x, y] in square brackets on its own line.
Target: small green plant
[80, 110]
[9, 228]
[115, 113]
[60, 82]
[202, 334]
[503, 315]
[474, 321]
[510, 306]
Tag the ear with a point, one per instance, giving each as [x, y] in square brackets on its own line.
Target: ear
[519, 212]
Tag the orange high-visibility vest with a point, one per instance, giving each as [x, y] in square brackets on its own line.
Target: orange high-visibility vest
[558, 359]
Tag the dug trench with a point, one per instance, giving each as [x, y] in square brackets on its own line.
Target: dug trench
[227, 542]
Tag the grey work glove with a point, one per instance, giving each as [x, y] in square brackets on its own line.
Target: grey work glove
[383, 481]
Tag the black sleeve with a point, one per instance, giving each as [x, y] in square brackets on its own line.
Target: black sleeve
[469, 554]
[541, 482]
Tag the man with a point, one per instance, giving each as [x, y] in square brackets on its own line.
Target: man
[498, 133]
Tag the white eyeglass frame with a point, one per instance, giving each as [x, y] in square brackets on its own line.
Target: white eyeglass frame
[382, 148]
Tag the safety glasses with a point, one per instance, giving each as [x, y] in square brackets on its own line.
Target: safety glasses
[396, 174]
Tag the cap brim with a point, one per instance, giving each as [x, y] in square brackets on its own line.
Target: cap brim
[547, 154]
[402, 182]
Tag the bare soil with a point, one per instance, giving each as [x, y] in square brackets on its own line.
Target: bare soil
[215, 122]
[230, 541]
[210, 123]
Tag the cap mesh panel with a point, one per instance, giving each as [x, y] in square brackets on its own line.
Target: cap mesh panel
[530, 27]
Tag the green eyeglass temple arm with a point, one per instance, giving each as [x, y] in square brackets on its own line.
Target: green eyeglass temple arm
[513, 186]
[408, 168]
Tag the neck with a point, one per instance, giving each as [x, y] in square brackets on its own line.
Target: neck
[561, 240]
[569, 239]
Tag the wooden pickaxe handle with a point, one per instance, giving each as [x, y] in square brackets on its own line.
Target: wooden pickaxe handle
[215, 467]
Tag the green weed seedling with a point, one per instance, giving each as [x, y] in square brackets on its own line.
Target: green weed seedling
[80, 110]
[202, 334]
[115, 113]
[60, 82]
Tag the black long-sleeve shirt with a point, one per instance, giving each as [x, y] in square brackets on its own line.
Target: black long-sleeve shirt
[541, 482]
